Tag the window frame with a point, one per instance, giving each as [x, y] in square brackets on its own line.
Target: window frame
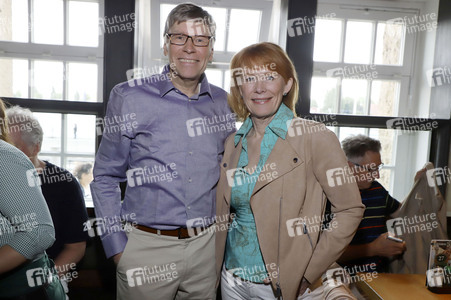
[66, 54]
[402, 74]
[221, 59]
[300, 49]
[60, 53]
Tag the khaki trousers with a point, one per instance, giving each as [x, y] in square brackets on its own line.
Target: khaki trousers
[161, 267]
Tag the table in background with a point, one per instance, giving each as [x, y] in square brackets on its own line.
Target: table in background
[397, 287]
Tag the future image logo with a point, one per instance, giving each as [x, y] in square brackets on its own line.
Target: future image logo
[407, 225]
[240, 176]
[252, 74]
[200, 26]
[135, 277]
[195, 226]
[150, 175]
[39, 276]
[33, 177]
[438, 76]
[367, 72]
[440, 176]
[412, 124]
[154, 274]
[305, 25]
[210, 125]
[337, 176]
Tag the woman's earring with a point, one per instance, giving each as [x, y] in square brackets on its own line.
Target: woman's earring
[284, 94]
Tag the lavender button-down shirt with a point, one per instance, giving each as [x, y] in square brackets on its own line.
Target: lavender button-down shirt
[167, 147]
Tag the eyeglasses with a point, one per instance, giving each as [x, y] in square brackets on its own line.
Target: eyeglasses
[378, 168]
[180, 39]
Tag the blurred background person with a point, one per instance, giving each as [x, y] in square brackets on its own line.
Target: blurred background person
[83, 172]
[273, 177]
[371, 244]
[60, 189]
[26, 228]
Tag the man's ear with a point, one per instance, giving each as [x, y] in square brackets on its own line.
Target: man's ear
[210, 58]
[165, 48]
[36, 149]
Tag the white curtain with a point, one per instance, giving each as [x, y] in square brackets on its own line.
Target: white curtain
[278, 25]
[143, 30]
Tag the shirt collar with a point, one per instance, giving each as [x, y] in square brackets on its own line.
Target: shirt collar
[278, 124]
[165, 86]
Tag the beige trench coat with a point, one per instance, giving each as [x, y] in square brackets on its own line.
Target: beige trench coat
[304, 164]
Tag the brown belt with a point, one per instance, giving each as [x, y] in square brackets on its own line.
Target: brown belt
[181, 233]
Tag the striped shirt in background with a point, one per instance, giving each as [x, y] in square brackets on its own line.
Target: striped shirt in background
[379, 206]
[25, 221]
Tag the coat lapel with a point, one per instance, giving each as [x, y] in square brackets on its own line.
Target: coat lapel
[281, 160]
[228, 164]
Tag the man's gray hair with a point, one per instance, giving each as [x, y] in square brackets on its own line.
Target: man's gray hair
[188, 11]
[23, 121]
[356, 146]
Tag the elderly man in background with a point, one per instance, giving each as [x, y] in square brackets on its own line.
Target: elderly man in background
[168, 145]
[61, 192]
[371, 248]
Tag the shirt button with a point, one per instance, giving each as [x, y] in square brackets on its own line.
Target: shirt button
[189, 180]
[295, 160]
[188, 207]
[225, 165]
[190, 153]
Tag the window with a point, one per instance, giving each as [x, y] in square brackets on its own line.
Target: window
[69, 141]
[365, 66]
[364, 61]
[55, 54]
[231, 33]
[51, 52]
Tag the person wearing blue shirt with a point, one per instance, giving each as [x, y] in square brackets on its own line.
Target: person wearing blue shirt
[370, 249]
[164, 135]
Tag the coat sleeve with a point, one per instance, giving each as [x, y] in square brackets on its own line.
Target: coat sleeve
[330, 167]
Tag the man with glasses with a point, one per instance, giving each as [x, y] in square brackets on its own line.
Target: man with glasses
[370, 248]
[170, 157]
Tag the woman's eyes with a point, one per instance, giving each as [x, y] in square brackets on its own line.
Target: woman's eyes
[270, 77]
[251, 79]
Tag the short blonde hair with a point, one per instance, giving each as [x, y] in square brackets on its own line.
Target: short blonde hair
[262, 55]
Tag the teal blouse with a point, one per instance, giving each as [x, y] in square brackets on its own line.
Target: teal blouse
[243, 256]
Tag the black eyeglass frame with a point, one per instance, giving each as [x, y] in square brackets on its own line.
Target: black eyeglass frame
[169, 35]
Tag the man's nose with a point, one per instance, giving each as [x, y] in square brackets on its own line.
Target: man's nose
[189, 45]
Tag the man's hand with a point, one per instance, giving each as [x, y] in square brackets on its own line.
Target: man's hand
[385, 247]
[117, 258]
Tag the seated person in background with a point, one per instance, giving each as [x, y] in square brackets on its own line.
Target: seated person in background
[370, 244]
[26, 229]
[60, 189]
[83, 172]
